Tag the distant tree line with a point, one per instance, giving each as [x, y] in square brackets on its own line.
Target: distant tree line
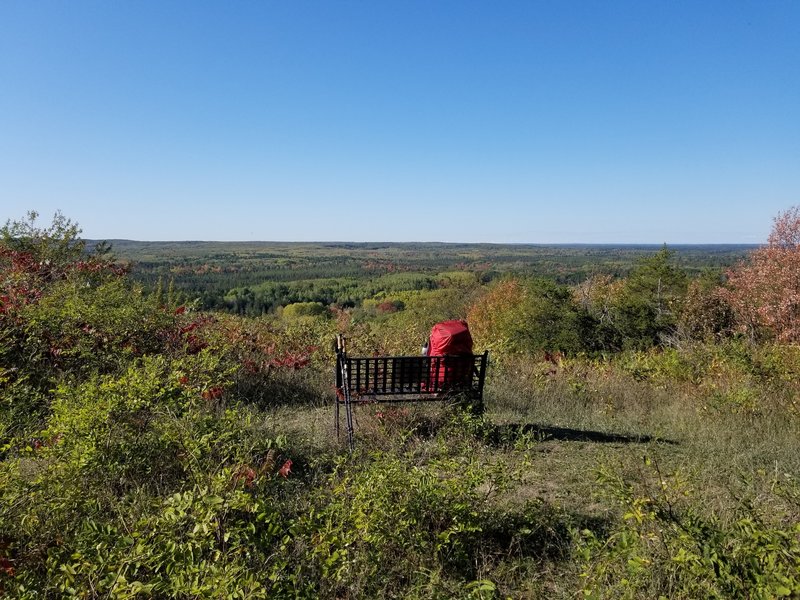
[344, 292]
[230, 276]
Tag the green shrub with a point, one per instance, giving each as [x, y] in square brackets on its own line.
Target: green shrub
[304, 309]
[145, 483]
[527, 316]
[382, 527]
[664, 547]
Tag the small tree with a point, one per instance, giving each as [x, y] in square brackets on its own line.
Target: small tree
[764, 290]
[706, 313]
[55, 245]
[523, 316]
[598, 299]
[648, 305]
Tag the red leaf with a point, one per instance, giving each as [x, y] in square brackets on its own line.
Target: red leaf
[7, 567]
[245, 474]
[213, 393]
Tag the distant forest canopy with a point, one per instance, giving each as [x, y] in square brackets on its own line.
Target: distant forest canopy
[254, 278]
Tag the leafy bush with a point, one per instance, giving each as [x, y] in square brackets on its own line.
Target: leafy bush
[381, 527]
[525, 316]
[764, 291]
[143, 483]
[63, 315]
[706, 313]
[304, 309]
[662, 547]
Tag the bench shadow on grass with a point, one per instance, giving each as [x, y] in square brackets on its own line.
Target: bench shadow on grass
[503, 434]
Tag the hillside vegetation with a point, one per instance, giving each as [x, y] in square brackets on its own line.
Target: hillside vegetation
[639, 439]
[255, 278]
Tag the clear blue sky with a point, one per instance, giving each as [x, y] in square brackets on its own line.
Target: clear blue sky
[512, 121]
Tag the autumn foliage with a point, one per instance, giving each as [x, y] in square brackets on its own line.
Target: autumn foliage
[488, 317]
[519, 316]
[764, 291]
[152, 450]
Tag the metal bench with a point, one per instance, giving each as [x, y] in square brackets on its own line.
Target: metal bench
[405, 379]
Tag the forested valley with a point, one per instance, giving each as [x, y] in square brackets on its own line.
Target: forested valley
[166, 420]
[255, 278]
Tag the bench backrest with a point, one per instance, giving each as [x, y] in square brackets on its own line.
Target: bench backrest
[415, 377]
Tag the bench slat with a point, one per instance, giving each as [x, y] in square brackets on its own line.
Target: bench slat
[406, 379]
[414, 375]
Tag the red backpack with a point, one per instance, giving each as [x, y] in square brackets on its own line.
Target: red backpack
[451, 338]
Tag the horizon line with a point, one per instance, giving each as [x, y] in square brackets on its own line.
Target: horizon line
[430, 242]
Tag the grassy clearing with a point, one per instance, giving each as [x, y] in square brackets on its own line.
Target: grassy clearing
[147, 450]
[574, 447]
[625, 478]
[581, 478]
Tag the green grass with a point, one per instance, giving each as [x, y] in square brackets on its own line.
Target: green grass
[577, 477]
[562, 436]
